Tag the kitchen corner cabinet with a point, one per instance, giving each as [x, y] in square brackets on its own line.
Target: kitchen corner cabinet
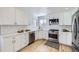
[41, 34]
[7, 16]
[65, 38]
[14, 43]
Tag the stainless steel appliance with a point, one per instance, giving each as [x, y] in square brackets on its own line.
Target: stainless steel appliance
[75, 30]
[53, 35]
[53, 21]
[31, 37]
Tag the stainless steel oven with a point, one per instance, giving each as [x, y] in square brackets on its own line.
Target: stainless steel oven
[53, 35]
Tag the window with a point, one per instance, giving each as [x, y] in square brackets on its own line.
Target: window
[41, 20]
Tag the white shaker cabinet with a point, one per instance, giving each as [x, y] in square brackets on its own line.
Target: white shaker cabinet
[7, 44]
[45, 34]
[25, 39]
[14, 42]
[65, 38]
[69, 38]
[41, 34]
[67, 18]
[62, 38]
[7, 16]
[23, 16]
[61, 18]
[21, 40]
[17, 44]
[20, 17]
[38, 34]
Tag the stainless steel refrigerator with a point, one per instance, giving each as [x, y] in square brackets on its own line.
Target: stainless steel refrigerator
[75, 30]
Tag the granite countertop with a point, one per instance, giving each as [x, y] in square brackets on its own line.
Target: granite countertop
[66, 30]
[15, 33]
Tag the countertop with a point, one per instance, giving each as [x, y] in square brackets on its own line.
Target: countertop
[13, 34]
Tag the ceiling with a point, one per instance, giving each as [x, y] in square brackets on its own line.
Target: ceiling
[46, 10]
[60, 9]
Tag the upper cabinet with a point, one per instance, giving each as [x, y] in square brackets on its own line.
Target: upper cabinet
[21, 18]
[15, 16]
[7, 16]
[61, 18]
[27, 16]
[67, 18]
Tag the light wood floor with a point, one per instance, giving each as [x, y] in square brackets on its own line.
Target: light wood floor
[39, 46]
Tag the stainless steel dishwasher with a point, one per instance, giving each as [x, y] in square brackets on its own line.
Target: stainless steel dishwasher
[31, 37]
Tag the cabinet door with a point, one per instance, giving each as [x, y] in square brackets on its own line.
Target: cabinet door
[67, 18]
[7, 16]
[7, 44]
[21, 17]
[45, 34]
[61, 18]
[24, 39]
[17, 44]
[62, 38]
[21, 41]
[27, 38]
[40, 34]
[36, 35]
[69, 39]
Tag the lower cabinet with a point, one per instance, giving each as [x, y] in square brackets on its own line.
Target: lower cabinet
[45, 35]
[14, 43]
[41, 34]
[66, 38]
[69, 38]
[17, 43]
[62, 38]
[25, 40]
[6, 44]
